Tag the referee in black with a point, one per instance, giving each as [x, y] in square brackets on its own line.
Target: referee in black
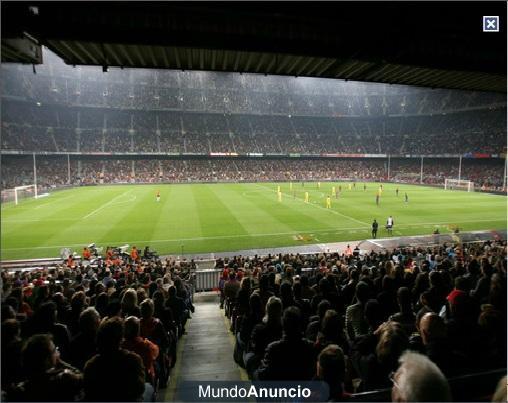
[374, 229]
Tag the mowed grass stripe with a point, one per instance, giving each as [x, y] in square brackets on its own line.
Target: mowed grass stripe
[214, 215]
[46, 231]
[299, 214]
[249, 211]
[105, 223]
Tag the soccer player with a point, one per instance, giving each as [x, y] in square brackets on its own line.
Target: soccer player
[397, 192]
[328, 202]
[364, 187]
[319, 185]
[158, 196]
[350, 186]
[406, 199]
[279, 196]
[374, 228]
[389, 225]
[306, 197]
[334, 193]
[340, 188]
[377, 199]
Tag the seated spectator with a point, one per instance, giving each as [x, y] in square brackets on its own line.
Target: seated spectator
[130, 303]
[11, 353]
[355, 320]
[44, 320]
[153, 329]
[437, 346]
[377, 354]
[231, 287]
[114, 374]
[405, 316]
[264, 333]
[331, 368]
[500, 393]
[83, 345]
[47, 378]
[280, 361]
[388, 296]
[418, 379]
[316, 320]
[147, 350]
[332, 332]
[177, 306]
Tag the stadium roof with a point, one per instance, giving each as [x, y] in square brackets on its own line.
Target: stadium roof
[437, 45]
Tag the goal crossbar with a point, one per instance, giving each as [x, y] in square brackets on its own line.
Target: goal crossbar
[20, 190]
[459, 184]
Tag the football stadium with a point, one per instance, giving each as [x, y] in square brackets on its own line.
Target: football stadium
[253, 202]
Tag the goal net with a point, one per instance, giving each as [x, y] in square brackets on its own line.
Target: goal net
[456, 184]
[19, 193]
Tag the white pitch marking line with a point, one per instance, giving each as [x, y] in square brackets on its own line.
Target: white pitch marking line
[322, 208]
[325, 231]
[106, 204]
[53, 201]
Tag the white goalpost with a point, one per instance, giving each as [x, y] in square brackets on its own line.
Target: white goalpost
[24, 192]
[459, 184]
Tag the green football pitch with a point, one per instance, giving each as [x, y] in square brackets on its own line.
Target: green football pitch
[198, 218]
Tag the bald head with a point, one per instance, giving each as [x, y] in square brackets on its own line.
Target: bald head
[432, 327]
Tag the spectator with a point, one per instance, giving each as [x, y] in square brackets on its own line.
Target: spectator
[355, 320]
[48, 379]
[331, 368]
[83, 346]
[419, 380]
[113, 366]
[280, 361]
[143, 347]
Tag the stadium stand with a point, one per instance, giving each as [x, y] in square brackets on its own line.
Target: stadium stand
[447, 303]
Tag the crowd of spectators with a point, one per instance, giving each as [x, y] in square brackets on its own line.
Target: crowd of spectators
[29, 128]
[58, 83]
[404, 317]
[72, 331]
[53, 171]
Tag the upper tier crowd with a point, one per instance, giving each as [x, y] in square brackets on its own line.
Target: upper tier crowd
[108, 332]
[59, 84]
[46, 128]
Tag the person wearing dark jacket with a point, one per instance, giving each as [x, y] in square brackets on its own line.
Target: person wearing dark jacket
[292, 357]
[47, 377]
[83, 346]
[113, 366]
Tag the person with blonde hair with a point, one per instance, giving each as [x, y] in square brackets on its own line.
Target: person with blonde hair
[129, 303]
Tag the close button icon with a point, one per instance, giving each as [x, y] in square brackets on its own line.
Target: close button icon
[491, 23]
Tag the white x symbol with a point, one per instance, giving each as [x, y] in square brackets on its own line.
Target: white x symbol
[491, 23]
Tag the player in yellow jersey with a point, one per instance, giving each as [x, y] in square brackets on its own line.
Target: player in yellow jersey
[306, 197]
[328, 202]
[279, 196]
